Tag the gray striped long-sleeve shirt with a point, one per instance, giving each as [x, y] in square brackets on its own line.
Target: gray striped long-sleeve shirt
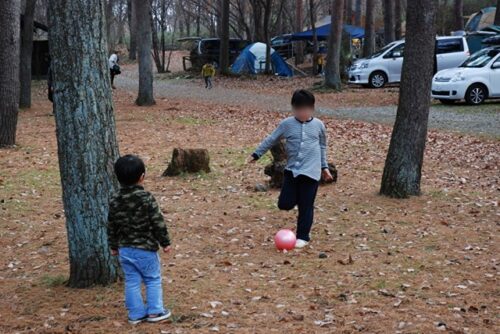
[305, 146]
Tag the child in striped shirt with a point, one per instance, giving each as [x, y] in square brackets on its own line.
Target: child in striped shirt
[305, 146]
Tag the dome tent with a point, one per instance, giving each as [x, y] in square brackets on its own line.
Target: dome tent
[253, 60]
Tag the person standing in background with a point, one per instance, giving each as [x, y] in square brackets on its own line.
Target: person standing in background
[114, 68]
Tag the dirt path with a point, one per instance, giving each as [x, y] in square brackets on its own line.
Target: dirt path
[479, 121]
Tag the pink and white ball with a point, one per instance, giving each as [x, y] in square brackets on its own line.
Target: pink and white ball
[285, 240]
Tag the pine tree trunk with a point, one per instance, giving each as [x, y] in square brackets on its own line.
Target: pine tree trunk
[403, 165]
[145, 40]
[348, 11]
[109, 25]
[10, 12]
[86, 138]
[458, 14]
[369, 41]
[267, 18]
[299, 45]
[332, 69]
[357, 13]
[312, 18]
[26, 50]
[389, 26]
[224, 39]
[398, 19]
[497, 14]
[132, 51]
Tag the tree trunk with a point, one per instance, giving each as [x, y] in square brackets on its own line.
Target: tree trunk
[497, 14]
[86, 139]
[10, 12]
[26, 50]
[224, 39]
[389, 35]
[398, 19]
[267, 18]
[109, 25]
[403, 165]
[299, 19]
[348, 11]
[145, 40]
[332, 70]
[312, 18]
[357, 13]
[188, 161]
[132, 51]
[369, 41]
[458, 15]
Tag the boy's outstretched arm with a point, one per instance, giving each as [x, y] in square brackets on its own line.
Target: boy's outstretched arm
[267, 143]
[159, 228]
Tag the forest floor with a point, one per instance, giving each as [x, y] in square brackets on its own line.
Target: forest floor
[421, 265]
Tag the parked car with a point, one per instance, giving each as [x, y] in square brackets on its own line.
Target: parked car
[476, 80]
[284, 45]
[205, 50]
[385, 65]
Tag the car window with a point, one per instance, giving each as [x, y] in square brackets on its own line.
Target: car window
[481, 58]
[397, 52]
[449, 45]
[381, 51]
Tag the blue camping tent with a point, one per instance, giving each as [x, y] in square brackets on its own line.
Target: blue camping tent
[252, 60]
[324, 30]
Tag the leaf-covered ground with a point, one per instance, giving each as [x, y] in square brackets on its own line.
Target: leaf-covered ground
[422, 265]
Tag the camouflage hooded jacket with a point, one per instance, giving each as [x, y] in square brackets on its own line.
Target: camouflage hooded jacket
[135, 220]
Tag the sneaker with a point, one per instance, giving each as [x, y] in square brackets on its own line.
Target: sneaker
[301, 243]
[137, 321]
[159, 317]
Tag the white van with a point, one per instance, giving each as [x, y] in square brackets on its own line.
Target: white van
[385, 65]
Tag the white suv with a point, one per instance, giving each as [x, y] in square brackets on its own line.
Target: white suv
[477, 79]
[385, 65]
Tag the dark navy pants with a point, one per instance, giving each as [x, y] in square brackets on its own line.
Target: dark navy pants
[300, 191]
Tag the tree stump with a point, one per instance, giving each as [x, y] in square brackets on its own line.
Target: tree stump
[276, 168]
[188, 161]
[333, 171]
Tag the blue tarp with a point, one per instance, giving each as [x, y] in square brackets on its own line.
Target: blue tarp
[324, 31]
[252, 61]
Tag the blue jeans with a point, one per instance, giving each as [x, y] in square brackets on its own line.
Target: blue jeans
[139, 266]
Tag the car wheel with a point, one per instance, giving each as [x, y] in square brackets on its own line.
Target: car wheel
[444, 101]
[476, 94]
[377, 79]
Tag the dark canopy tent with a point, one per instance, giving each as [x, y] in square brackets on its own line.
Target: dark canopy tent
[323, 32]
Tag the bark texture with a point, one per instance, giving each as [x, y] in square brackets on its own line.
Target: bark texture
[369, 43]
[398, 19]
[389, 26]
[403, 165]
[26, 50]
[497, 14]
[144, 45]
[458, 15]
[132, 50]
[188, 161]
[332, 69]
[9, 70]
[86, 139]
[224, 39]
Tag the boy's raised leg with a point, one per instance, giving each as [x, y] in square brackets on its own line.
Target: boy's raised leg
[288, 194]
